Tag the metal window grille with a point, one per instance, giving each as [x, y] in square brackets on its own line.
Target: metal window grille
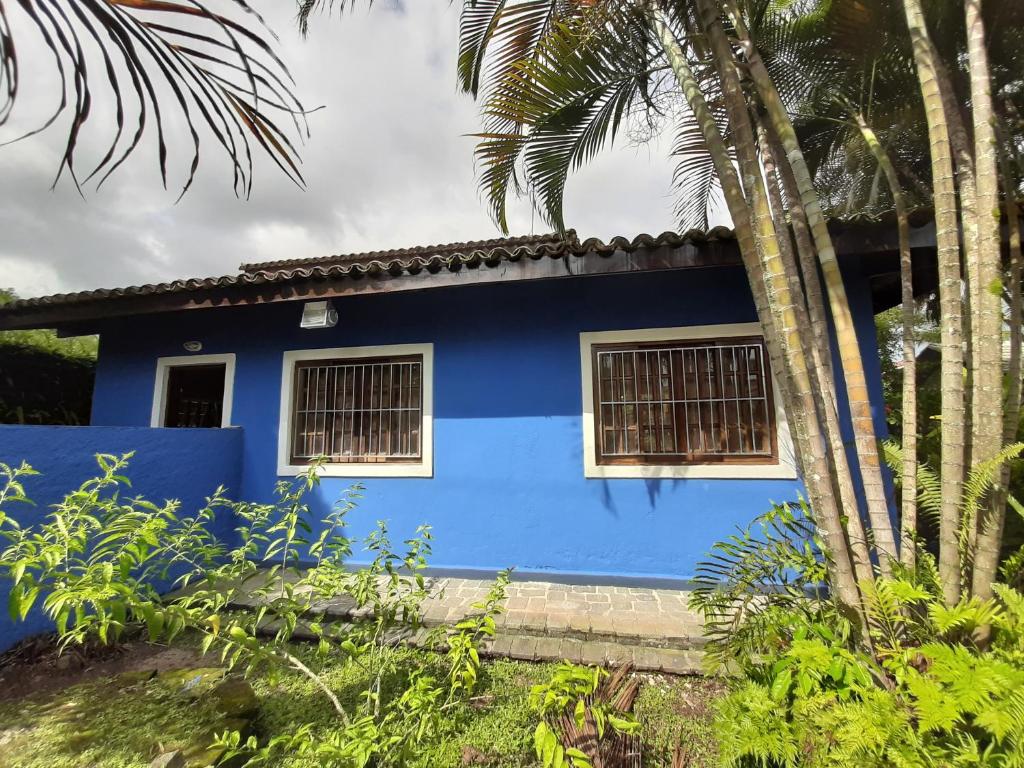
[193, 412]
[684, 402]
[367, 410]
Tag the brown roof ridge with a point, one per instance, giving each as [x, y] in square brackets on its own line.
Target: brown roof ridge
[442, 249]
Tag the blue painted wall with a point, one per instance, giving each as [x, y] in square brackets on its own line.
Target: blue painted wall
[508, 485]
[182, 464]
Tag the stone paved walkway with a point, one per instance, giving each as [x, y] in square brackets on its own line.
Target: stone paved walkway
[547, 621]
[650, 617]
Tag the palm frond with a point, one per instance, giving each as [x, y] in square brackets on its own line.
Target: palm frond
[497, 154]
[694, 179]
[557, 109]
[516, 35]
[756, 581]
[220, 68]
[479, 20]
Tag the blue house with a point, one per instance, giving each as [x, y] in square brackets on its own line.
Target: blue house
[574, 408]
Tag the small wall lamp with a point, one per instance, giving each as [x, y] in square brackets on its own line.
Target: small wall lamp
[318, 314]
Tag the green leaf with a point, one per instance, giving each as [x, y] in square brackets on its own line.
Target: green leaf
[14, 604]
[540, 735]
[782, 684]
[580, 713]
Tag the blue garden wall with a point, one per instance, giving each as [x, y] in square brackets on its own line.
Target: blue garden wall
[182, 464]
[508, 485]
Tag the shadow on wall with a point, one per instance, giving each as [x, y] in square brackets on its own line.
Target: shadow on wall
[183, 464]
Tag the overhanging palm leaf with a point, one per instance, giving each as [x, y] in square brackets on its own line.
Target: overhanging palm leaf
[220, 69]
[494, 35]
[559, 107]
[582, 69]
[694, 179]
[477, 26]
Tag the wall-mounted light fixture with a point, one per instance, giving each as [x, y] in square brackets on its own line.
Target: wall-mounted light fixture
[318, 314]
[192, 346]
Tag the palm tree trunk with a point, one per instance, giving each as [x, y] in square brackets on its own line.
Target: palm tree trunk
[822, 385]
[948, 247]
[785, 304]
[806, 255]
[963, 164]
[865, 439]
[908, 480]
[987, 393]
[813, 463]
[1011, 410]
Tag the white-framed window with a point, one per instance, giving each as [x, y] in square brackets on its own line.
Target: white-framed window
[367, 410]
[193, 391]
[689, 402]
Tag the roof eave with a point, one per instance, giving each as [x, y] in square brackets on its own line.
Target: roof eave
[79, 314]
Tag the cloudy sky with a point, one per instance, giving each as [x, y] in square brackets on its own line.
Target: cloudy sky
[388, 165]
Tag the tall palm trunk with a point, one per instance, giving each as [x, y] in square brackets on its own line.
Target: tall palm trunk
[948, 247]
[908, 481]
[987, 392]
[814, 465]
[806, 256]
[785, 304]
[1011, 410]
[963, 164]
[821, 373]
[865, 439]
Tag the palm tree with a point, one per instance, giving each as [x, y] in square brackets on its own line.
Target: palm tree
[876, 77]
[558, 80]
[578, 74]
[760, 252]
[213, 64]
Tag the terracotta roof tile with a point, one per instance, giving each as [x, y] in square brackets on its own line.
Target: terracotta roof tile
[403, 261]
[426, 251]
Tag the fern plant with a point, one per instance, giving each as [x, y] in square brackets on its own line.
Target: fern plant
[923, 691]
[928, 696]
[979, 483]
[1012, 569]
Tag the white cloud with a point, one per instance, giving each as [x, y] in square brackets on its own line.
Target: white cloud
[389, 165]
[30, 276]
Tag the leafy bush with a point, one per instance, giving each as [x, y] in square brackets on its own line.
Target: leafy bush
[758, 583]
[923, 687]
[99, 561]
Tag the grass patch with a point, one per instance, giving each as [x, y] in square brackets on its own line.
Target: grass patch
[109, 723]
[675, 711]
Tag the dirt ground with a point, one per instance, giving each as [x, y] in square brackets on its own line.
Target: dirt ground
[35, 667]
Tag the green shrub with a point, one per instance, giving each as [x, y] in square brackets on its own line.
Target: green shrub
[95, 561]
[45, 378]
[923, 687]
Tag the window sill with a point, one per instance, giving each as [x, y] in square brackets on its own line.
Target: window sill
[780, 471]
[355, 469]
